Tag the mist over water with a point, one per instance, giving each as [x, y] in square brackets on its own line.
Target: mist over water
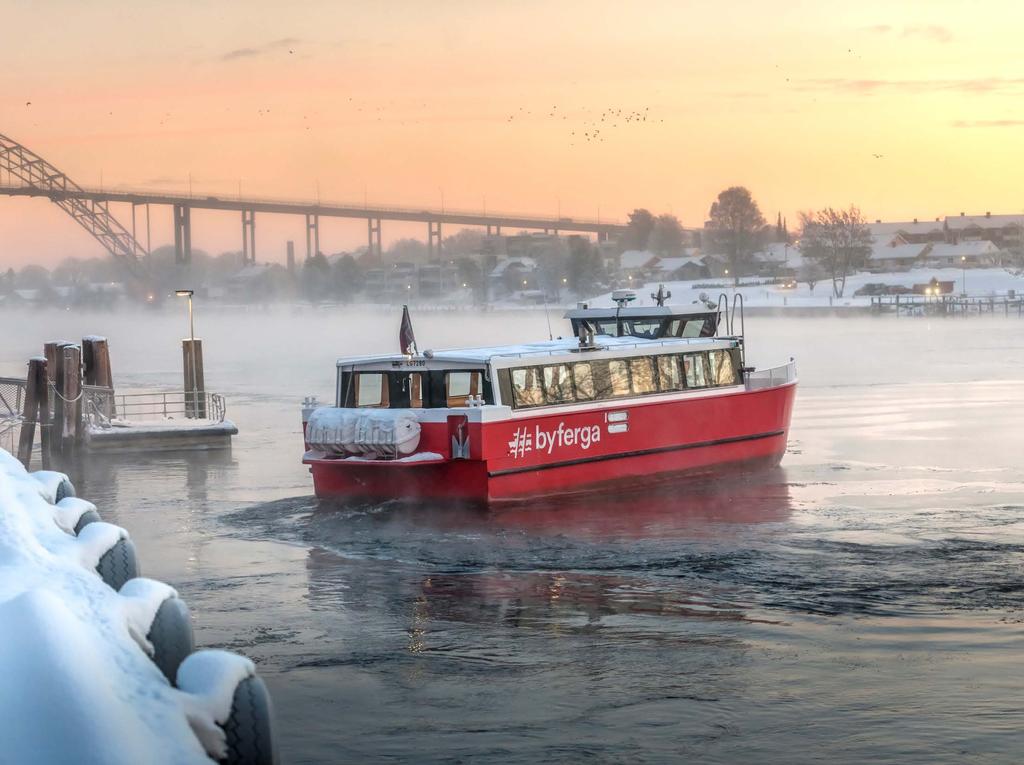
[863, 602]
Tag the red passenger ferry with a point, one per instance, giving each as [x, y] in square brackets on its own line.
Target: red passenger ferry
[637, 392]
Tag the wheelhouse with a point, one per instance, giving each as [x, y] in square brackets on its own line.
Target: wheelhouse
[647, 322]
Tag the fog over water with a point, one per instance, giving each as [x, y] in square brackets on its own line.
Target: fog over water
[863, 602]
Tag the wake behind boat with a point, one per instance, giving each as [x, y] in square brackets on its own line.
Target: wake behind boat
[637, 392]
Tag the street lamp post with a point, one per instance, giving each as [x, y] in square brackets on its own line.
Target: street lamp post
[963, 266]
[191, 381]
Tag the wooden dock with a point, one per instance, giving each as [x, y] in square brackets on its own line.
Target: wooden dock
[947, 305]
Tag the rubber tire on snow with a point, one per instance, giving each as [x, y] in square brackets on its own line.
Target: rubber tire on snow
[89, 516]
[64, 489]
[119, 564]
[250, 728]
[171, 636]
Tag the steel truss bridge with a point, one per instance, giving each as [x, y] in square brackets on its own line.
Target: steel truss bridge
[25, 174]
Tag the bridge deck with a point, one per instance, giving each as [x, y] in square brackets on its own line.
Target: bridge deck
[323, 209]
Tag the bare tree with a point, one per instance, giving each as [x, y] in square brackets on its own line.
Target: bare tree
[838, 240]
[811, 273]
[736, 225]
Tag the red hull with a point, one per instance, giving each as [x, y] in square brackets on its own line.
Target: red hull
[572, 451]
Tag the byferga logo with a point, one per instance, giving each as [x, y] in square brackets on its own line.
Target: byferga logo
[529, 439]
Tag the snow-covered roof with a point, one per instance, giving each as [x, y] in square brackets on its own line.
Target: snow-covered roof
[538, 349]
[668, 265]
[963, 249]
[897, 252]
[884, 232]
[526, 264]
[28, 294]
[636, 258]
[781, 253]
[957, 222]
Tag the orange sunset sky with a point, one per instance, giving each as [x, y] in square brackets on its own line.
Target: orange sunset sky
[487, 103]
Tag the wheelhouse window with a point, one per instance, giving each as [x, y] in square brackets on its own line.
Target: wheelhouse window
[642, 372]
[618, 373]
[693, 328]
[415, 384]
[459, 386]
[583, 376]
[371, 390]
[670, 376]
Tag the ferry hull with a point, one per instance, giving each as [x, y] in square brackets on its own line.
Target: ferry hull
[580, 451]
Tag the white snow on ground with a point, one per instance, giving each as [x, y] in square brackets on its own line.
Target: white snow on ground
[77, 684]
[980, 282]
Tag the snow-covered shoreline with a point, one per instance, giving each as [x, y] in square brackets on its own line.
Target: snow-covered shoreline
[79, 681]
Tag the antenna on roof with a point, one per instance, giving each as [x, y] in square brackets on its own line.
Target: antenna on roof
[661, 295]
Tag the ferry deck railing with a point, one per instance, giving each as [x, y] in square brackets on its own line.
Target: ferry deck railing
[772, 377]
[103, 405]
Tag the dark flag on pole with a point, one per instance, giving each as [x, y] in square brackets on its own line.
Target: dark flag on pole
[406, 337]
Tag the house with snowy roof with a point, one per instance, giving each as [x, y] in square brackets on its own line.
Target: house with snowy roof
[636, 264]
[907, 232]
[778, 259]
[680, 269]
[979, 253]
[1004, 231]
[887, 258]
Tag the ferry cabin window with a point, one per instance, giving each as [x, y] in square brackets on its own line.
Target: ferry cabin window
[618, 372]
[583, 377]
[721, 367]
[696, 370]
[526, 389]
[459, 386]
[371, 390]
[557, 384]
[642, 372]
[670, 376]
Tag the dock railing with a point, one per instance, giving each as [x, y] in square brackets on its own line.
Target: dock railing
[771, 378]
[103, 406]
[12, 403]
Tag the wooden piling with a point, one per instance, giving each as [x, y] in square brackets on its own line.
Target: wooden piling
[45, 423]
[195, 400]
[71, 394]
[96, 366]
[55, 376]
[35, 378]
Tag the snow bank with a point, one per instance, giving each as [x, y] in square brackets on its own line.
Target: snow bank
[77, 683]
[369, 432]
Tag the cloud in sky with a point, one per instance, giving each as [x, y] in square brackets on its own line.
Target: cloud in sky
[932, 32]
[974, 85]
[988, 123]
[261, 50]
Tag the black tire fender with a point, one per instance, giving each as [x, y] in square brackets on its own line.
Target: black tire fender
[89, 516]
[171, 636]
[249, 729]
[119, 564]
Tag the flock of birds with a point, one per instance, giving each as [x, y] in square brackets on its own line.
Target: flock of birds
[595, 128]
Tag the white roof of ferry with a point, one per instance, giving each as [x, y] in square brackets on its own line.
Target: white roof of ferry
[542, 348]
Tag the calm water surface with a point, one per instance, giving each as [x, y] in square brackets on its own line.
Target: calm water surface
[862, 603]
